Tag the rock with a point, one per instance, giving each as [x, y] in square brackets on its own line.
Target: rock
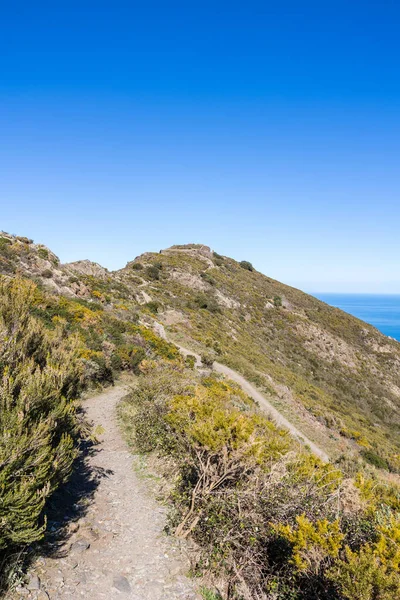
[33, 583]
[93, 534]
[80, 546]
[58, 580]
[175, 567]
[81, 578]
[73, 527]
[22, 591]
[87, 267]
[154, 590]
[42, 595]
[121, 584]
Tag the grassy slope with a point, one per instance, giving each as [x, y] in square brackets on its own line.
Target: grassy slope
[343, 372]
[268, 515]
[334, 376]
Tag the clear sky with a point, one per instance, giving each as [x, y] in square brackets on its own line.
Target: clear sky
[267, 130]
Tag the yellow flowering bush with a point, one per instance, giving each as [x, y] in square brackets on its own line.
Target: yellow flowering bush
[271, 518]
[312, 542]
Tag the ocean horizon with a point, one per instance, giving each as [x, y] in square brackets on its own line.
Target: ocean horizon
[380, 310]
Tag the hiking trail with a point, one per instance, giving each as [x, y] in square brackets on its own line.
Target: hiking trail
[118, 548]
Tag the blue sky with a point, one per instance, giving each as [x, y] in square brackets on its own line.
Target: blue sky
[268, 130]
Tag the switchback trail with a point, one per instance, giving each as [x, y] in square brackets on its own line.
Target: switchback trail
[119, 548]
[254, 393]
[275, 415]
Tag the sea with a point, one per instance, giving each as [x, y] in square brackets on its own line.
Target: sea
[381, 311]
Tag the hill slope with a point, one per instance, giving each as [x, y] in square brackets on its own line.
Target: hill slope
[270, 519]
[335, 377]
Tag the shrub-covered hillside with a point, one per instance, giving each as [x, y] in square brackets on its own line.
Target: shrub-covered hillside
[335, 376]
[51, 349]
[271, 521]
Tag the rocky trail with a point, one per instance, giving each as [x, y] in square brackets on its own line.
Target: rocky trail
[117, 548]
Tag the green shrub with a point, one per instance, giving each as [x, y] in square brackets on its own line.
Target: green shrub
[40, 375]
[208, 594]
[137, 266]
[371, 572]
[116, 362]
[217, 347]
[5, 249]
[218, 259]
[153, 306]
[207, 302]
[207, 277]
[277, 301]
[190, 361]
[149, 402]
[43, 253]
[153, 272]
[103, 373]
[246, 265]
[135, 280]
[47, 273]
[207, 359]
[136, 357]
[375, 459]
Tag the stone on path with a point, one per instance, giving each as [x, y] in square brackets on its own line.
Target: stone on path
[121, 584]
[80, 546]
[33, 583]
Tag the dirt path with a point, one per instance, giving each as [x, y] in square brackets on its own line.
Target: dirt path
[271, 410]
[262, 401]
[118, 549]
[254, 393]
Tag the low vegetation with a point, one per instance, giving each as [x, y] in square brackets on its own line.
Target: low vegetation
[342, 374]
[245, 264]
[51, 349]
[40, 378]
[207, 301]
[272, 520]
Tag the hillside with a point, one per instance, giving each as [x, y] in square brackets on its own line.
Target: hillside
[336, 378]
[236, 448]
